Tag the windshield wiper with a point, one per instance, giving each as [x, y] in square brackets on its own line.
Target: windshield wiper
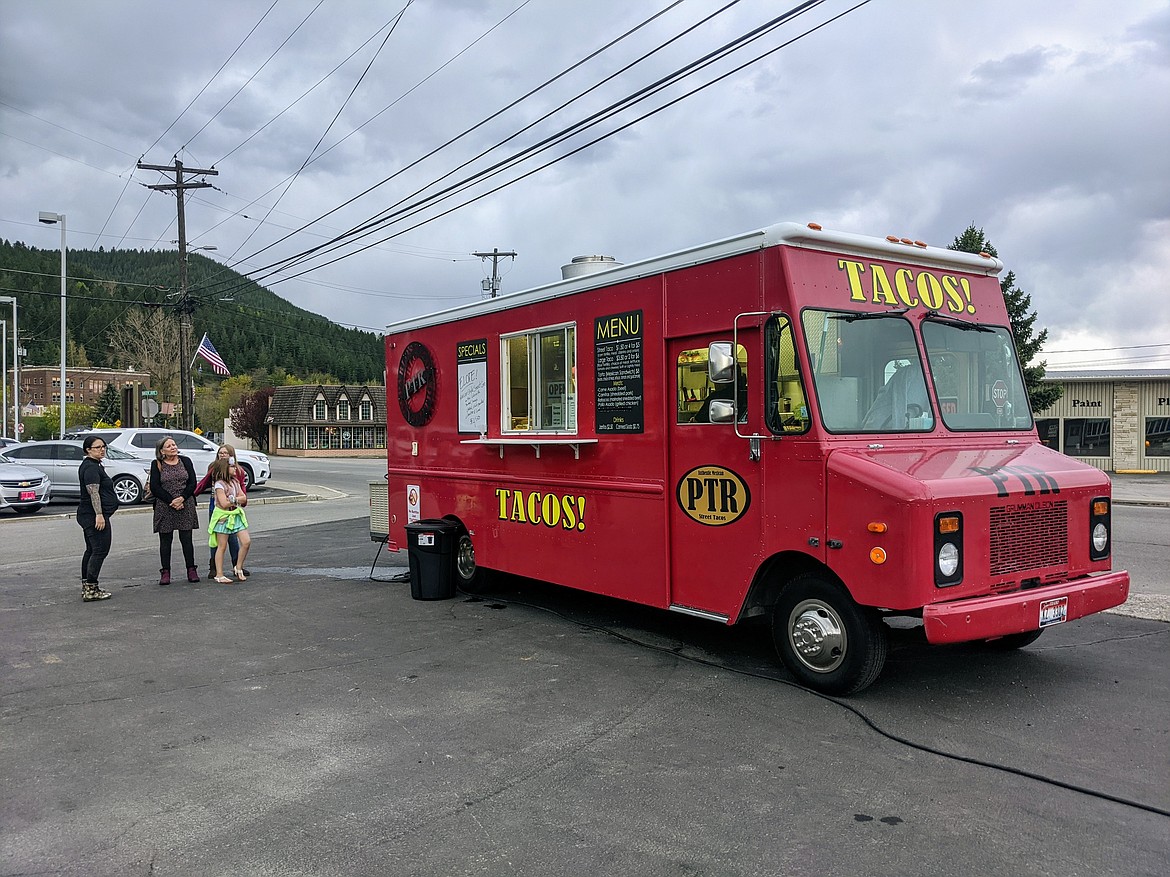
[958, 324]
[853, 316]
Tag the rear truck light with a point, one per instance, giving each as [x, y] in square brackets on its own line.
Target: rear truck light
[877, 555]
[1100, 526]
[948, 549]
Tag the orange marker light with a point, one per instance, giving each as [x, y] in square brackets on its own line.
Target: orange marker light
[948, 525]
[876, 527]
[1101, 507]
[877, 555]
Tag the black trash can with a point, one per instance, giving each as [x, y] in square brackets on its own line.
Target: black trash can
[431, 552]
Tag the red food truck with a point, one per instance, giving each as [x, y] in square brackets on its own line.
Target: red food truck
[821, 428]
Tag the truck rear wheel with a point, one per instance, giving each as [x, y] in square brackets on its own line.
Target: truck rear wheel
[469, 575]
[825, 639]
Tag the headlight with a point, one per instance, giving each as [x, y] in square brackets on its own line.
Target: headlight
[948, 549]
[1099, 526]
[948, 560]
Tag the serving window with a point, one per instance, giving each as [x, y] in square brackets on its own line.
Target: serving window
[539, 380]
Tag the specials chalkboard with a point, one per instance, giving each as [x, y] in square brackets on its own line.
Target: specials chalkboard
[617, 360]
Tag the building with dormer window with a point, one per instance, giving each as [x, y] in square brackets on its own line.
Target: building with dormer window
[327, 420]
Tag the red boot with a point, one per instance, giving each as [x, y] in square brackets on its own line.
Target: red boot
[192, 573]
[164, 576]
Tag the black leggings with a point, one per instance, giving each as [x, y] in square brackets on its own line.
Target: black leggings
[97, 546]
[164, 548]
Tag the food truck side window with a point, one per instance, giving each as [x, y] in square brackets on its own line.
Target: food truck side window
[538, 381]
[694, 389]
[786, 406]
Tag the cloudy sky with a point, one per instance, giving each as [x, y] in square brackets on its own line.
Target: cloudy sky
[1046, 122]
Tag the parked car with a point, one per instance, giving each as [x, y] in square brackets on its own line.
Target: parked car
[23, 489]
[140, 442]
[6, 442]
[60, 460]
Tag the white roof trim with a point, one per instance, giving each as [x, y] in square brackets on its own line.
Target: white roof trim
[785, 233]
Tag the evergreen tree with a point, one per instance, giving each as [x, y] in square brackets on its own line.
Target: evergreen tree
[109, 406]
[1023, 321]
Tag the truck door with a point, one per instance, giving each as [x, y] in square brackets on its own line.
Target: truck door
[717, 492]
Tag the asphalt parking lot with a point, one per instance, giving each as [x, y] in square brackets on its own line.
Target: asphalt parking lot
[312, 721]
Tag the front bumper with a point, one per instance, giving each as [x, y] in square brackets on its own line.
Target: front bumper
[1002, 614]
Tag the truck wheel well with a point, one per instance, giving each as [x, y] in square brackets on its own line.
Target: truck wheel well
[772, 576]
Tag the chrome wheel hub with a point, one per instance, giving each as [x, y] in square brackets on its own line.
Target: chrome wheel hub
[817, 636]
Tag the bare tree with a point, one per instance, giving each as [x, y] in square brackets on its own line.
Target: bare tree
[149, 341]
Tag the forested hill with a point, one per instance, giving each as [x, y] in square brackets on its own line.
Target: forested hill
[256, 329]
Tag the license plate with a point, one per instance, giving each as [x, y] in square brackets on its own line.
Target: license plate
[1053, 611]
[426, 539]
[26, 495]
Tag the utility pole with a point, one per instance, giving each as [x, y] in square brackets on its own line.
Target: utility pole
[185, 307]
[493, 285]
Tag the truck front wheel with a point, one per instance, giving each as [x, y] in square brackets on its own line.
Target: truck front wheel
[826, 640]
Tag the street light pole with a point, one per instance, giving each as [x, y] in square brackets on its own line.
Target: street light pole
[4, 371]
[50, 219]
[15, 365]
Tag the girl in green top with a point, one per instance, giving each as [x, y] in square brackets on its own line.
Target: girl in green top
[228, 518]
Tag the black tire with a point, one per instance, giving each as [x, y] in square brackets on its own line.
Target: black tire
[1013, 641]
[128, 490]
[245, 476]
[469, 576]
[826, 640]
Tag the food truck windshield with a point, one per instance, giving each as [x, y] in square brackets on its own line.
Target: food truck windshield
[869, 377]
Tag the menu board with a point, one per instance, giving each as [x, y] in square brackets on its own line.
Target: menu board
[471, 360]
[617, 352]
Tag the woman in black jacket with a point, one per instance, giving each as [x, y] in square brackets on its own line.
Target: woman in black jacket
[97, 505]
[172, 484]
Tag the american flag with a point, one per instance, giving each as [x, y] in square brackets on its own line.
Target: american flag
[207, 351]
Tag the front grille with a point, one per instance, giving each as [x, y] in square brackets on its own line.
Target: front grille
[25, 484]
[1028, 537]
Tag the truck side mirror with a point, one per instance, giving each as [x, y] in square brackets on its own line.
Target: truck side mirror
[720, 362]
[722, 411]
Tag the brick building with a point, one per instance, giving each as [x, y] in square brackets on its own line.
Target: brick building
[40, 385]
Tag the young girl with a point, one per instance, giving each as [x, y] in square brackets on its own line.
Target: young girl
[227, 518]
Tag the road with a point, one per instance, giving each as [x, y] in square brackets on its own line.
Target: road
[1141, 542]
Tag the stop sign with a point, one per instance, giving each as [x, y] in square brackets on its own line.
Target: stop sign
[999, 393]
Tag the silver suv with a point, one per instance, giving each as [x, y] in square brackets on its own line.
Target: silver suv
[140, 442]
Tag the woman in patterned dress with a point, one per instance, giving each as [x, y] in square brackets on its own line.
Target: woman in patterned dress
[172, 484]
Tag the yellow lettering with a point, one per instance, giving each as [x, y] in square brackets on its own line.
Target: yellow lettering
[955, 303]
[930, 291]
[966, 284]
[569, 521]
[903, 277]
[502, 496]
[881, 286]
[534, 508]
[518, 508]
[853, 271]
[550, 510]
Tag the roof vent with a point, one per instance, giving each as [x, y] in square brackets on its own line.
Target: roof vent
[582, 265]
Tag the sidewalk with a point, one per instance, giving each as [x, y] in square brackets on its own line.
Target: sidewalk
[1152, 490]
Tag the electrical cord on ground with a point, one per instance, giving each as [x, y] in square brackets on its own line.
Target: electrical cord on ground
[872, 724]
[393, 580]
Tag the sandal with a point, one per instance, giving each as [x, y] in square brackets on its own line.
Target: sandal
[239, 574]
[224, 580]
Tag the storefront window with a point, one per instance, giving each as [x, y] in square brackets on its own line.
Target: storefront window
[1158, 436]
[1049, 432]
[1087, 437]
